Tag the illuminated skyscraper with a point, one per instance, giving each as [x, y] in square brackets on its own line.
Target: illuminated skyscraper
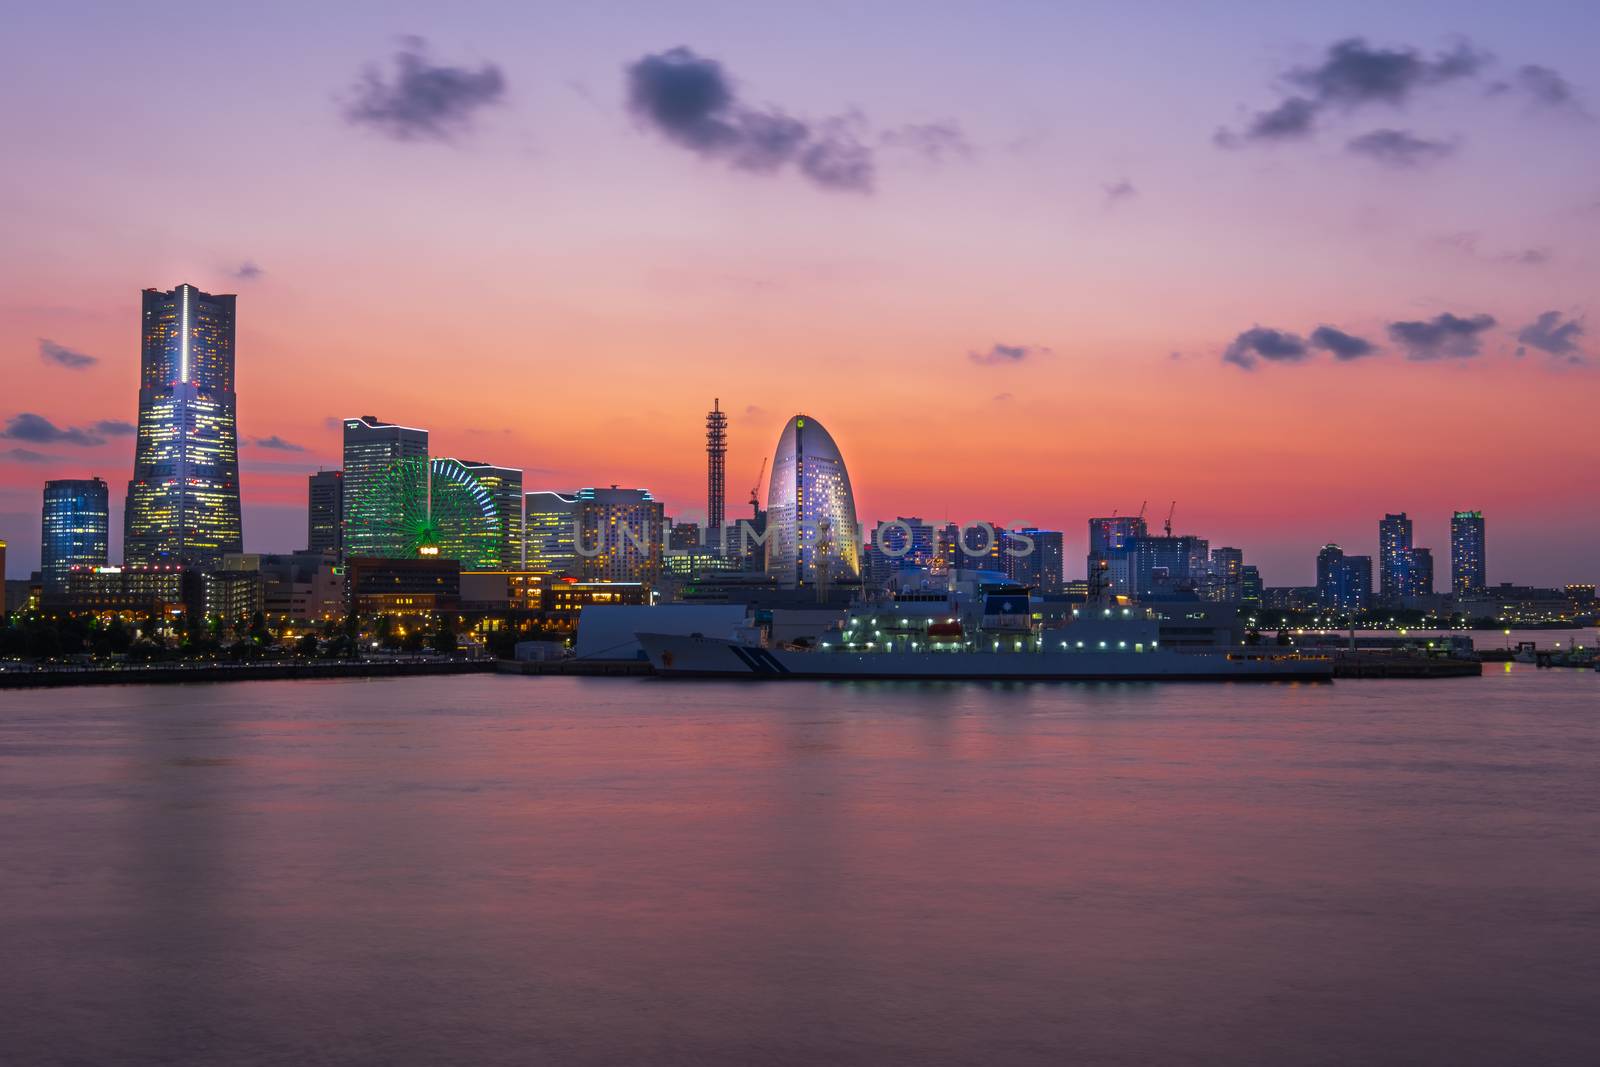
[373, 452]
[550, 532]
[619, 535]
[1109, 568]
[325, 513]
[77, 520]
[183, 499]
[1394, 557]
[811, 514]
[504, 486]
[1468, 553]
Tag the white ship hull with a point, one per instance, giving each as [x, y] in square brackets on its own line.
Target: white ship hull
[711, 657]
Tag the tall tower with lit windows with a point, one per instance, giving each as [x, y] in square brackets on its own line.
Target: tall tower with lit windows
[183, 499]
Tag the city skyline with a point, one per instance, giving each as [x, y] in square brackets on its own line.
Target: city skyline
[1015, 310]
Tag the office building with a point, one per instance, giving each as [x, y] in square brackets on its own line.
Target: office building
[811, 512]
[1250, 588]
[1394, 558]
[504, 487]
[135, 591]
[550, 532]
[183, 500]
[401, 588]
[1468, 554]
[385, 487]
[620, 535]
[296, 587]
[325, 513]
[75, 530]
[1166, 564]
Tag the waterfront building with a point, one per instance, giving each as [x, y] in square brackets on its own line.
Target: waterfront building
[231, 596]
[619, 535]
[504, 487]
[1468, 553]
[182, 505]
[75, 530]
[503, 591]
[813, 536]
[716, 469]
[325, 513]
[1344, 583]
[385, 476]
[905, 543]
[1394, 558]
[401, 588]
[550, 532]
[296, 587]
[1509, 604]
[565, 599]
[134, 591]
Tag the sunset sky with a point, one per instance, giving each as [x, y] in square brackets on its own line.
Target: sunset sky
[1290, 265]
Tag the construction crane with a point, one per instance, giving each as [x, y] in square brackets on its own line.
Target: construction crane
[1170, 510]
[755, 490]
[1142, 506]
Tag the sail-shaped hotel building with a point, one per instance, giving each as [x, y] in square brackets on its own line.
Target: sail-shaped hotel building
[812, 533]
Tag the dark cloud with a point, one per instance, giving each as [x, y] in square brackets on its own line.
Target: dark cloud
[28, 455]
[115, 428]
[1546, 87]
[277, 444]
[1120, 190]
[1259, 342]
[1001, 398]
[1289, 121]
[1445, 336]
[1528, 257]
[424, 101]
[1550, 335]
[38, 430]
[937, 142]
[1344, 346]
[1352, 74]
[690, 100]
[1001, 355]
[248, 271]
[1399, 148]
[62, 356]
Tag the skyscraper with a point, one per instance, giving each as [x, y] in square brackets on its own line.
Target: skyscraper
[504, 486]
[1394, 557]
[716, 469]
[183, 499]
[373, 455]
[811, 512]
[1041, 565]
[325, 513]
[1344, 583]
[77, 520]
[550, 532]
[1108, 568]
[619, 534]
[1468, 554]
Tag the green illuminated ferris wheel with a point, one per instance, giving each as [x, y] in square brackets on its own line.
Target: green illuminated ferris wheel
[415, 507]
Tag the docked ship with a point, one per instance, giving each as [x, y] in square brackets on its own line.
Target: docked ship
[1003, 643]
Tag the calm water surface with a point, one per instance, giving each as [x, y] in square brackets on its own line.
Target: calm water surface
[494, 870]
